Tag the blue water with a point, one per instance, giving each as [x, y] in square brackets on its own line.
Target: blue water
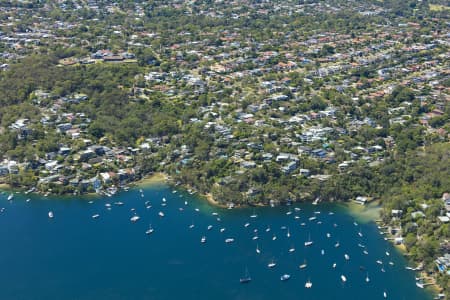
[74, 256]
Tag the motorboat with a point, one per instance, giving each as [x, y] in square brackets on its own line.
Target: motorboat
[50, 214]
[285, 277]
[343, 278]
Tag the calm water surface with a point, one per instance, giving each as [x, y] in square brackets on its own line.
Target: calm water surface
[74, 256]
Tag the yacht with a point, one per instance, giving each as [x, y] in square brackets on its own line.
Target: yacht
[288, 234]
[96, 216]
[343, 278]
[50, 214]
[365, 252]
[134, 218]
[360, 233]
[268, 229]
[10, 197]
[328, 235]
[274, 237]
[308, 284]
[161, 214]
[308, 242]
[203, 239]
[303, 265]
[387, 253]
[191, 226]
[254, 215]
[246, 278]
[346, 256]
[118, 203]
[229, 240]
[257, 249]
[209, 227]
[222, 229]
[384, 295]
[367, 277]
[149, 230]
[246, 224]
[322, 252]
[336, 245]
[379, 262]
[271, 264]
[291, 249]
[255, 238]
[285, 277]
[334, 266]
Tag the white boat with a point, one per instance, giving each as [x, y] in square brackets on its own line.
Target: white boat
[336, 245]
[161, 214]
[297, 209]
[134, 218]
[267, 229]
[214, 214]
[274, 237]
[308, 284]
[316, 201]
[387, 253]
[164, 199]
[257, 249]
[308, 242]
[185, 203]
[191, 226]
[96, 216]
[322, 252]
[303, 265]
[10, 197]
[365, 252]
[118, 203]
[246, 278]
[203, 239]
[288, 234]
[28, 200]
[379, 262]
[334, 266]
[285, 277]
[271, 264]
[289, 212]
[50, 214]
[149, 230]
[254, 216]
[367, 278]
[346, 256]
[343, 278]
[328, 235]
[197, 210]
[255, 238]
[222, 229]
[291, 249]
[391, 263]
[419, 284]
[229, 240]
[246, 225]
[384, 295]
[209, 227]
[312, 218]
[360, 233]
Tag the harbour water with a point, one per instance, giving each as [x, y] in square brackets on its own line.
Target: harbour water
[76, 256]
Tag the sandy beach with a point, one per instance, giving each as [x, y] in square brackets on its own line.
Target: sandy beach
[156, 178]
